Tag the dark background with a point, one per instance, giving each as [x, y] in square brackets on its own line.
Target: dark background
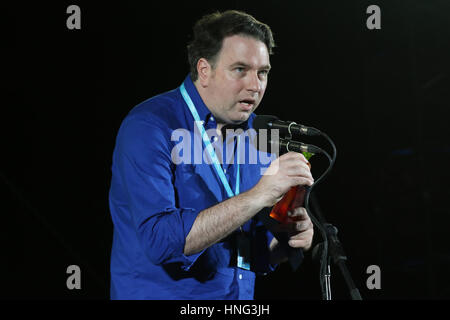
[382, 95]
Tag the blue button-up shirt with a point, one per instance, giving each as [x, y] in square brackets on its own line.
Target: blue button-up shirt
[154, 200]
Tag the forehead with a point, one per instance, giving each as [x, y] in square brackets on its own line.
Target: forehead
[243, 49]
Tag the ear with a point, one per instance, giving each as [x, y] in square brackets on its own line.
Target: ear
[204, 71]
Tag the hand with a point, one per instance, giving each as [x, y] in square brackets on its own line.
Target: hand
[289, 170]
[300, 230]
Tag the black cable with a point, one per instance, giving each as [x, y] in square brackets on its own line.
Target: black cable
[319, 222]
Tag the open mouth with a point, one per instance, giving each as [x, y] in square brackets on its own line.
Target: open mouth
[247, 104]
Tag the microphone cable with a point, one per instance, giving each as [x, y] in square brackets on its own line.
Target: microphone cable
[318, 221]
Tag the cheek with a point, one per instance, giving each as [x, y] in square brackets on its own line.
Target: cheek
[237, 87]
[263, 88]
[261, 95]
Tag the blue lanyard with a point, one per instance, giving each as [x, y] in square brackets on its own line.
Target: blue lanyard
[209, 147]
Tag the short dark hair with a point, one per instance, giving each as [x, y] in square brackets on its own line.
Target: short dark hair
[211, 29]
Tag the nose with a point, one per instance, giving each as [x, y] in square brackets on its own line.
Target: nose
[254, 84]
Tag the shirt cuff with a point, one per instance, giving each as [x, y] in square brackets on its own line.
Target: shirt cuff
[189, 216]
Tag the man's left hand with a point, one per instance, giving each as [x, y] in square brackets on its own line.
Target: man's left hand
[300, 230]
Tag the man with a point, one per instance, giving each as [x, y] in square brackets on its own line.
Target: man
[188, 230]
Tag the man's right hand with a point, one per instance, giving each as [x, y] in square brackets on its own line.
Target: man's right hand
[287, 171]
[218, 221]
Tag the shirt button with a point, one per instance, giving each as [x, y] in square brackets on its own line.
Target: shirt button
[240, 276]
[224, 170]
[215, 139]
[211, 118]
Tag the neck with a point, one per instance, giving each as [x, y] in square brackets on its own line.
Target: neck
[204, 95]
[205, 99]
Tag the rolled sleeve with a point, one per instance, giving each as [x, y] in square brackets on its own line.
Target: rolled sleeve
[143, 159]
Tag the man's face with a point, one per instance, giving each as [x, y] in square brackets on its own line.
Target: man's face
[238, 80]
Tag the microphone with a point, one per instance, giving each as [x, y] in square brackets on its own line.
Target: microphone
[287, 127]
[300, 147]
[275, 144]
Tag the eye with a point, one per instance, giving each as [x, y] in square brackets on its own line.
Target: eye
[239, 69]
[262, 75]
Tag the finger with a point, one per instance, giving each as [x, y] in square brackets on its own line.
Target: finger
[298, 170]
[294, 155]
[301, 181]
[292, 227]
[303, 226]
[299, 213]
[305, 244]
[298, 225]
[308, 233]
[296, 167]
[297, 155]
[294, 158]
[303, 240]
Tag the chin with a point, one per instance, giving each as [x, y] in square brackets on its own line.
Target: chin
[241, 118]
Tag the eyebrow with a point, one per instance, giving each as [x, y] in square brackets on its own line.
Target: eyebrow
[243, 64]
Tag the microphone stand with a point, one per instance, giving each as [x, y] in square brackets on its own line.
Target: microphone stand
[335, 252]
[331, 248]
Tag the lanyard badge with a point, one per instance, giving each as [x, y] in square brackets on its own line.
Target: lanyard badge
[243, 241]
[243, 251]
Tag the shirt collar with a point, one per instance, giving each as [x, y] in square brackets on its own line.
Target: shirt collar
[203, 111]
